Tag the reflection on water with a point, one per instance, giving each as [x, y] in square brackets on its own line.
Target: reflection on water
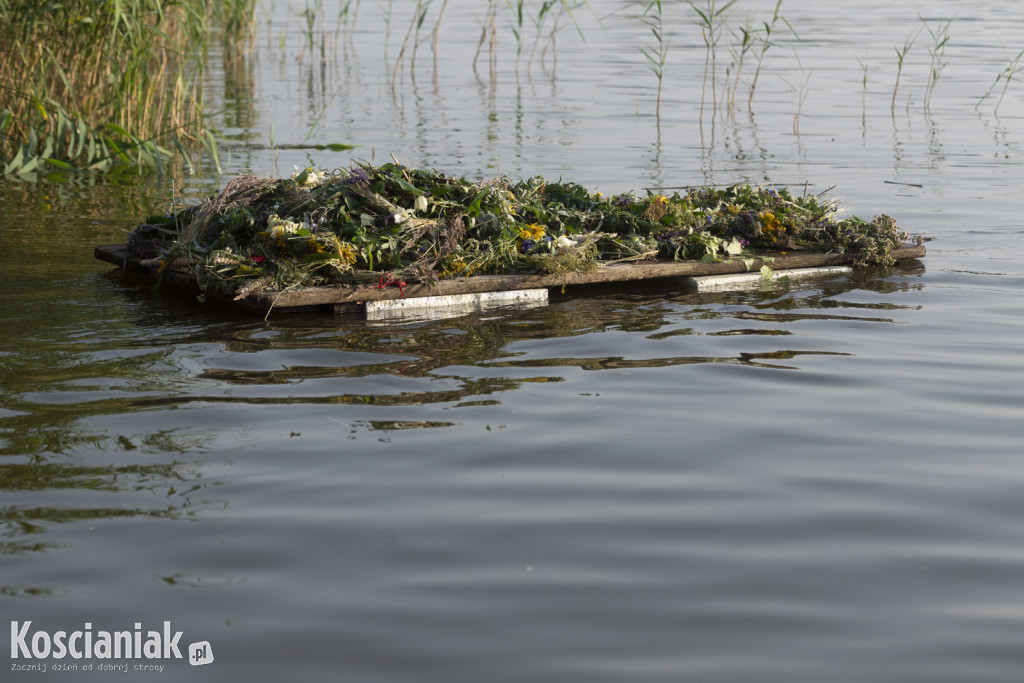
[296, 360]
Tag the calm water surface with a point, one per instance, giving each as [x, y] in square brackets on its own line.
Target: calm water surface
[811, 483]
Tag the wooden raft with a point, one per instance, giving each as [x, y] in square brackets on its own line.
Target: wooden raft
[342, 295]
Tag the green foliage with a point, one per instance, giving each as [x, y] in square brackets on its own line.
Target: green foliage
[92, 84]
[370, 224]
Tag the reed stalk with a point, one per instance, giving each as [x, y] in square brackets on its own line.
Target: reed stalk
[747, 35]
[656, 53]
[711, 20]
[901, 55]
[488, 33]
[801, 93]
[937, 51]
[765, 39]
[1012, 70]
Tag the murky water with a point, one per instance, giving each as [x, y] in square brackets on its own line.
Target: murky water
[812, 483]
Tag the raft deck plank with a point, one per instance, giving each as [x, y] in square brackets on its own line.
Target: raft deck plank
[117, 254]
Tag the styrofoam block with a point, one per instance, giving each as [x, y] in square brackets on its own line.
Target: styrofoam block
[453, 304]
[715, 283]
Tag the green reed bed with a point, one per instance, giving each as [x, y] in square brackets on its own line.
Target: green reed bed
[105, 84]
[370, 224]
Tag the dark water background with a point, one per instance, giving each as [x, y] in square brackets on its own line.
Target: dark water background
[813, 483]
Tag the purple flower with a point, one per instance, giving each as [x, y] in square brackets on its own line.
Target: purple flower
[358, 176]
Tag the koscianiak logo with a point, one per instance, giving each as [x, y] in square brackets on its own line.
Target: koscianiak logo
[79, 649]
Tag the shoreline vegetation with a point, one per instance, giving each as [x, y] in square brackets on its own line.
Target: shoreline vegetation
[111, 85]
[391, 223]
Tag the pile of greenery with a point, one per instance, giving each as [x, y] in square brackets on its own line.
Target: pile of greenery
[392, 223]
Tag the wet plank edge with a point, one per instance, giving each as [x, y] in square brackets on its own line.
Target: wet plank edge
[117, 255]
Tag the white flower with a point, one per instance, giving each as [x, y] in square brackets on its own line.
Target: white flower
[564, 242]
[310, 178]
[421, 203]
[278, 227]
[733, 248]
[403, 215]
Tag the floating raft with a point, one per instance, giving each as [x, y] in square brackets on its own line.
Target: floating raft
[350, 298]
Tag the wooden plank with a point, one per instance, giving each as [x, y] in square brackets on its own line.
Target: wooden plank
[619, 272]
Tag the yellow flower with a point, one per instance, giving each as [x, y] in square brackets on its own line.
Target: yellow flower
[314, 246]
[346, 253]
[456, 267]
[656, 208]
[533, 231]
[771, 228]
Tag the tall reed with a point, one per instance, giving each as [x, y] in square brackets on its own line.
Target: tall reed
[1013, 70]
[746, 36]
[656, 52]
[711, 20]
[92, 83]
[765, 39]
[937, 51]
[901, 55]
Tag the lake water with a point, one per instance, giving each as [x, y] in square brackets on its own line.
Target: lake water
[821, 482]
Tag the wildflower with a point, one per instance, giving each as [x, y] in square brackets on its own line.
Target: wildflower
[402, 215]
[346, 253]
[564, 242]
[307, 177]
[656, 208]
[421, 203]
[533, 231]
[527, 245]
[358, 176]
[279, 228]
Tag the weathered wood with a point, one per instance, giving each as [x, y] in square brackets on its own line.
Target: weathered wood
[620, 272]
